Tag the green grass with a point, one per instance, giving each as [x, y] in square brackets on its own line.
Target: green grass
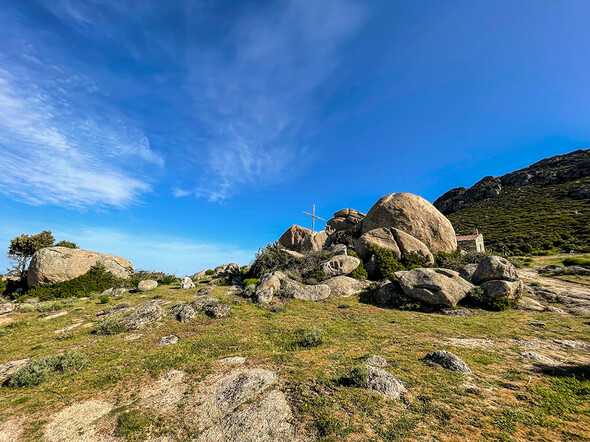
[532, 219]
[548, 407]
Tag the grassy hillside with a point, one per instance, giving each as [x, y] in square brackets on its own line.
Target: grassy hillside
[503, 400]
[535, 218]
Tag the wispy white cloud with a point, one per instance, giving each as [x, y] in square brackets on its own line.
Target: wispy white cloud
[55, 152]
[256, 94]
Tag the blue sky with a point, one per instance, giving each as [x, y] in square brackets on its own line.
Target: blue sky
[186, 134]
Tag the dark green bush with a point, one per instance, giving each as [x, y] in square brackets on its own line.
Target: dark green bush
[360, 272]
[104, 299]
[38, 370]
[210, 272]
[359, 376]
[387, 264]
[478, 298]
[97, 279]
[110, 326]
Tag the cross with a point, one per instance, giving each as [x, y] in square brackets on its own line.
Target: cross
[313, 218]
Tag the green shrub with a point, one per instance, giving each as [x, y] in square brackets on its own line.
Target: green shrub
[104, 299]
[68, 244]
[576, 262]
[387, 264]
[501, 304]
[360, 272]
[251, 281]
[37, 371]
[310, 337]
[97, 279]
[52, 306]
[359, 376]
[110, 326]
[210, 272]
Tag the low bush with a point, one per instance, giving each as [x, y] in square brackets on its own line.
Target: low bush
[134, 425]
[310, 337]
[68, 244]
[97, 279]
[110, 326]
[210, 272]
[359, 376]
[568, 262]
[52, 306]
[478, 298]
[38, 370]
[387, 264]
[274, 257]
[251, 281]
[104, 299]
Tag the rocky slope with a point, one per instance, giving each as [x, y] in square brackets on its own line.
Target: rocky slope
[542, 207]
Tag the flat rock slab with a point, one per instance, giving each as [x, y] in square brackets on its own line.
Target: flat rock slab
[77, 422]
[233, 360]
[165, 393]
[12, 430]
[168, 340]
[56, 315]
[8, 369]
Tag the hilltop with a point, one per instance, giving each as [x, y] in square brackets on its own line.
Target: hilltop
[542, 208]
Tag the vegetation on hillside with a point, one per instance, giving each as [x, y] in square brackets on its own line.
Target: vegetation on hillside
[530, 220]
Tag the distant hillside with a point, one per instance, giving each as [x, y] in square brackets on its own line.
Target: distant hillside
[543, 207]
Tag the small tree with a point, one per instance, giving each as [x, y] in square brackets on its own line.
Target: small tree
[68, 244]
[23, 247]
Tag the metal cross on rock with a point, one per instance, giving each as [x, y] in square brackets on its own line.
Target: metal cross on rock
[313, 218]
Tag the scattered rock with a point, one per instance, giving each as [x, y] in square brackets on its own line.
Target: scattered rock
[385, 383]
[415, 216]
[205, 291]
[8, 369]
[202, 303]
[58, 264]
[70, 327]
[576, 345]
[267, 288]
[294, 238]
[7, 308]
[228, 269]
[344, 286]
[527, 303]
[339, 249]
[56, 315]
[133, 337]
[471, 343]
[494, 268]
[146, 285]
[457, 312]
[340, 265]
[377, 361]
[77, 422]
[537, 357]
[187, 283]
[184, 312]
[168, 340]
[317, 292]
[448, 361]
[232, 360]
[434, 286]
[218, 311]
[200, 275]
[503, 289]
[144, 316]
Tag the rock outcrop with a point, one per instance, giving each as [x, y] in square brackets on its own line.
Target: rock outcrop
[145, 315]
[434, 286]
[415, 216]
[345, 286]
[58, 264]
[448, 361]
[384, 382]
[294, 238]
[340, 265]
[345, 219]
[493, 268]
[146, 285]
[187, 283]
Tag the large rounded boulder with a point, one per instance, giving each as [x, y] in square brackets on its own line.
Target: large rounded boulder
[398, 242]
[415, 216]
[58, 264]
[434, 286]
